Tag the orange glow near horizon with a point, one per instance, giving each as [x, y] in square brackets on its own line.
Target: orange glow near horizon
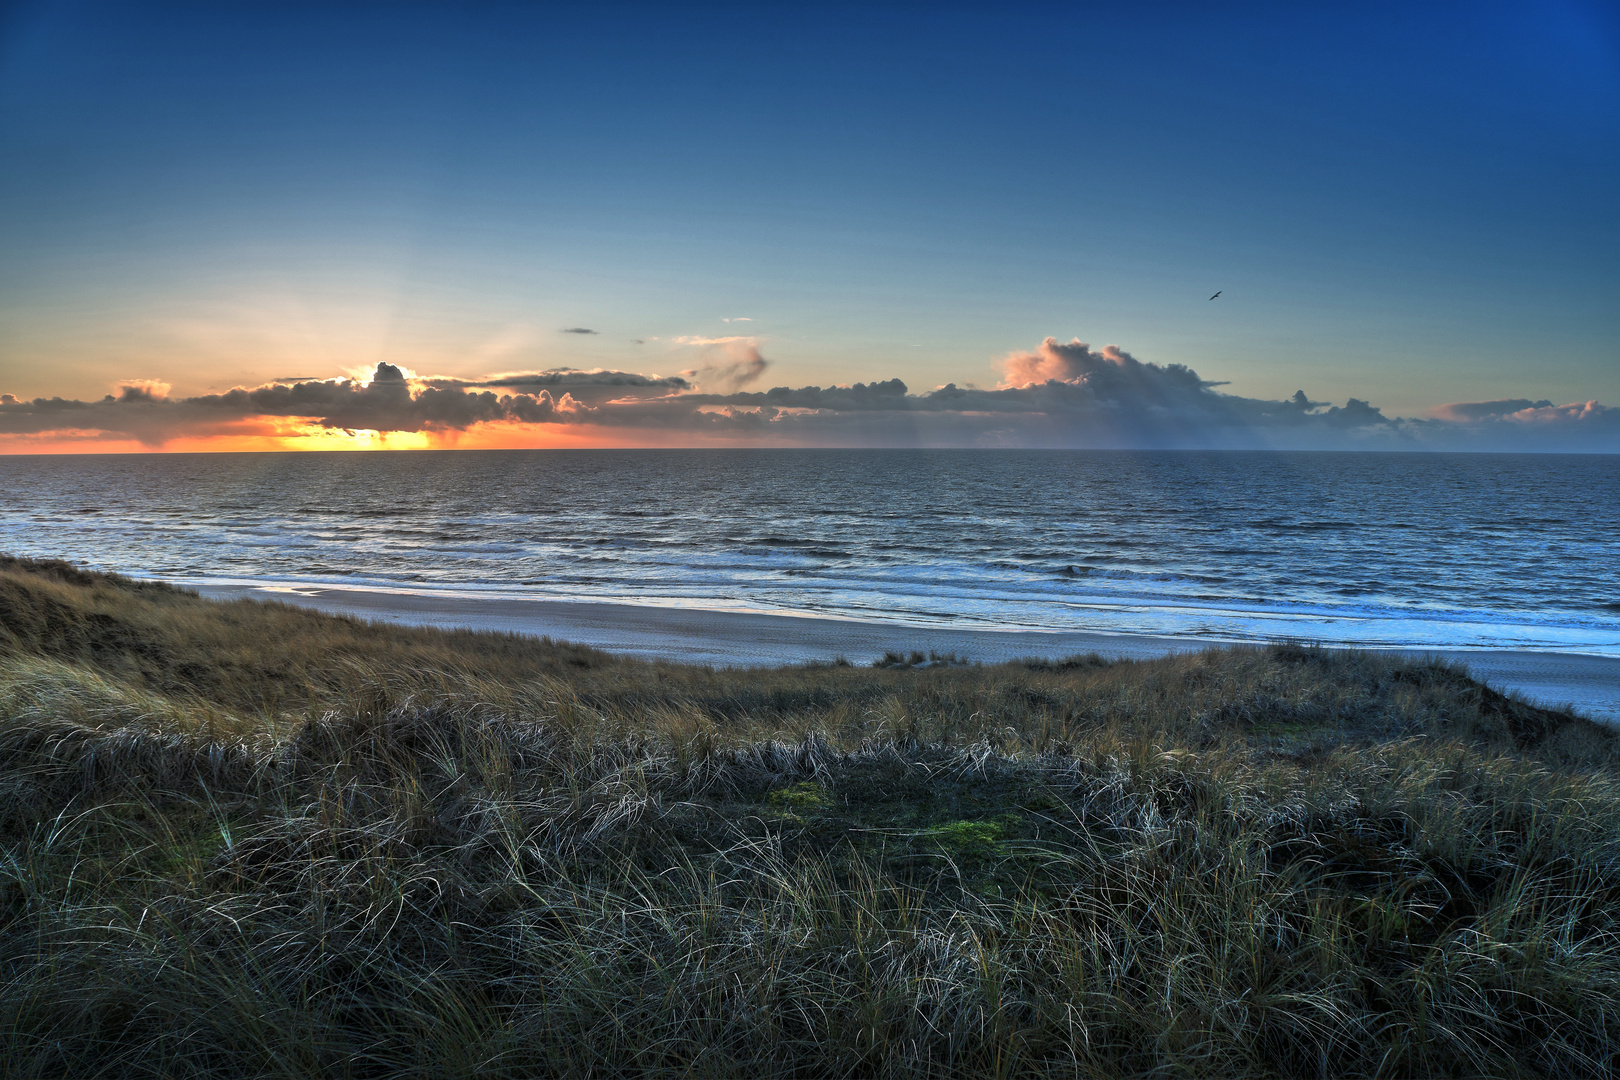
[311, 437]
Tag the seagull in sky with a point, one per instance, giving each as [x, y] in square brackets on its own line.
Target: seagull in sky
[1217, 293]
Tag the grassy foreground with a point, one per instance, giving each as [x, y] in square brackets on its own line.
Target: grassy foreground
[250, 840]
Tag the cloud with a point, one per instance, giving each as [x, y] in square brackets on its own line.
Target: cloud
[1057, 395]
[594, 384]
[1462, 412]
[1519, 423]
[141, 389]
[1580, 412]
[1076, 363]
[577, 330]
[389, 402]
[731, 363]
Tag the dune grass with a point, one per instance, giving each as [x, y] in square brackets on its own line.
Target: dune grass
[251, 840]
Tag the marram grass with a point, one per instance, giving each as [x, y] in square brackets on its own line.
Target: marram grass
[247, 840]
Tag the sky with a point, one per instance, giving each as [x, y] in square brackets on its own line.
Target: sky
[279, 226]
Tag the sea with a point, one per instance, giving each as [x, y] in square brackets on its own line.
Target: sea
[1358, 549]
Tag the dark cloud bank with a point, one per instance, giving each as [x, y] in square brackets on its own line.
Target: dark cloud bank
[1060, 395]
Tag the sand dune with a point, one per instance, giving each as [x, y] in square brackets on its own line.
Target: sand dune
[735, 639]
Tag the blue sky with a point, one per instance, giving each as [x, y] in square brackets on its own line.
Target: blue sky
[1409, 204]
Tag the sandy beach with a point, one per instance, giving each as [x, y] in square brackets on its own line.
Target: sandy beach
[736, 639]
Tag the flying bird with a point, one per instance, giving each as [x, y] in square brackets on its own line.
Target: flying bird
[1217, 293]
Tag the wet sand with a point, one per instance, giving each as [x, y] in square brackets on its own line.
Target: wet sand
[736, 639]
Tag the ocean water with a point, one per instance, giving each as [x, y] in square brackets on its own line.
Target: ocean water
[1420, 550]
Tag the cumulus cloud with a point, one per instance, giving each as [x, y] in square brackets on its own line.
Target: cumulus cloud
[1580, 412]
[1075, 362]
[1582, 426]
[1057, 395]
[730, 363]
[142, 389]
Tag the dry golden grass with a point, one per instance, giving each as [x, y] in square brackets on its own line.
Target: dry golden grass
[250, 840]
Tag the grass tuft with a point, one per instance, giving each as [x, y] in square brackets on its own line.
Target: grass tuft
[245, 839]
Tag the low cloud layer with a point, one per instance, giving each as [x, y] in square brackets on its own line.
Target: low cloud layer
[1057, 395]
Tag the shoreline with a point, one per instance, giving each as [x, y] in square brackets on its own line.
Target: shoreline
[742, 639]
